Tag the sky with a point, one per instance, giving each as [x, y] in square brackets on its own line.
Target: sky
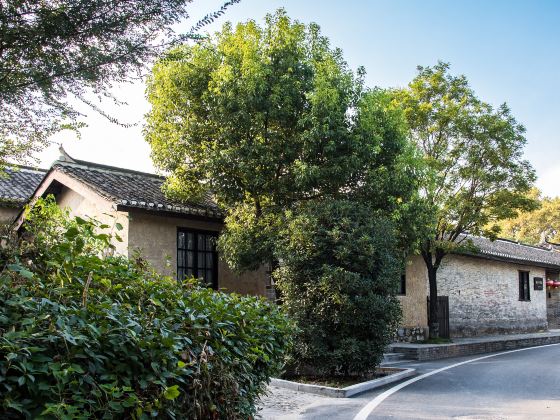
[509, 51]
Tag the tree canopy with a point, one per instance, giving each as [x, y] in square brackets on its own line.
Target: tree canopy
[53, 50]
[475, 154]
[273, 123]
[241, 114]
[265, 118]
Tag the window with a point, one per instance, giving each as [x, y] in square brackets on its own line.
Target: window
[196, 256]
[524, 293]
[402, 290]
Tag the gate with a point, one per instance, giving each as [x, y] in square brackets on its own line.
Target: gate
[443, 315]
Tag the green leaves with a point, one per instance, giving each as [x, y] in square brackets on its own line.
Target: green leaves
[338, 277]
[172, 392]
[22, 271]
[53, 51]
[140, 345]
[272, 121]
[259, 114]
[532, 226]
[474, 152]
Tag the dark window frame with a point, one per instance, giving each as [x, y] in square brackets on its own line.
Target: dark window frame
[524, 286]
[196, 266]
[402, 288]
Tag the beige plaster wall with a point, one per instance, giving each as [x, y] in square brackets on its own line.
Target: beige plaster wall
[94, 206]
[8, 215]
[155, 237]
[413, 304]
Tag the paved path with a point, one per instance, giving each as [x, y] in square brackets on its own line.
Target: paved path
[516, 385]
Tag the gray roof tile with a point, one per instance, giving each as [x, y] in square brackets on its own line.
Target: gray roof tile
[506, 250]
[133, 189]
[18, 183]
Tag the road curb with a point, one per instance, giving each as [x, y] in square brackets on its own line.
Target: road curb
[327, 391]
[425, 352]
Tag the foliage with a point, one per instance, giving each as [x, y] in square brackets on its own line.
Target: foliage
[475, 154]
[275, 125]
[535, 227]
[84, 334]
[337, 282]
[257, 115]
[265, 118]
[50, 50]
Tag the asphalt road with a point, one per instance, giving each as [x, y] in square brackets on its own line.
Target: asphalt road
[518, 385]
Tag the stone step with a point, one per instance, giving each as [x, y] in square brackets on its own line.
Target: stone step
[395, 363]
[392, 357]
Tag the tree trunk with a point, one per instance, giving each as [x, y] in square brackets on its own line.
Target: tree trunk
[433, 323]
[432, 264]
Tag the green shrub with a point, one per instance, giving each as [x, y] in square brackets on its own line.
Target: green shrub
[85, 334]
[339, 273]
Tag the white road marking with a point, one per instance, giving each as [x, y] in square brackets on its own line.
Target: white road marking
[372, 405]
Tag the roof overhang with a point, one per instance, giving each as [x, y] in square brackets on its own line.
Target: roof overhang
[509, 259]
[170, 213]
[52, 177]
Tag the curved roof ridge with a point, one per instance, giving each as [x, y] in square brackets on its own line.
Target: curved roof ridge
[103, 167]
[19, 167]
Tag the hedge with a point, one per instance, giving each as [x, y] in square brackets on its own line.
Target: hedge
[87, 334]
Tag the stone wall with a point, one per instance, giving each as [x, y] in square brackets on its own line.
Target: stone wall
[155, 237]
[484, 297]
[410, 334]
[482, 345]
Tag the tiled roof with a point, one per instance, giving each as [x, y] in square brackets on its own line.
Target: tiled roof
[18, 183]
[505, 250]
[133, 189]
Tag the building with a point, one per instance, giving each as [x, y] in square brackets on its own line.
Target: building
[500, 288]
[17, 184]
[177, 238]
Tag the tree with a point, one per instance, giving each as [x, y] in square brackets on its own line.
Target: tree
[478, 175]
[340, 262]
[535, 227]
[52, 50]
[241, 114]
[273, 123]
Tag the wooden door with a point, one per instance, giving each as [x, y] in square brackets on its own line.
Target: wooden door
[443, 315]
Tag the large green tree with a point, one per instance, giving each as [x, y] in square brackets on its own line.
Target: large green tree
[475, 154]
[273, 123]
[55, 50]
[254, 114]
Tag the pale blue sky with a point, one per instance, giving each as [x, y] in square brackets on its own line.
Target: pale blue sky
[509, 50]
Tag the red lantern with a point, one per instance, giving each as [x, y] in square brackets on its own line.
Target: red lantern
[556, 283]
[550, 283]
